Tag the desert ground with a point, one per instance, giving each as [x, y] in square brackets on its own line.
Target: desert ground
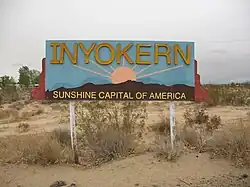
[24, 126]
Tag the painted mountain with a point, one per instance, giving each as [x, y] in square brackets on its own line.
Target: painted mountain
[93, 80]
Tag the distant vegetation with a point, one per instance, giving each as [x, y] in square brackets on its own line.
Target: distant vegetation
[229, 94]
[12, 90]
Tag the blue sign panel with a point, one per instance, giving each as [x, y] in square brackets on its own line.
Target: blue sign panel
[119, 70]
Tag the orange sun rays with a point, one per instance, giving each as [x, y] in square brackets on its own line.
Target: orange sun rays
[124, 73]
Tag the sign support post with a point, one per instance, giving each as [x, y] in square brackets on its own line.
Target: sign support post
[72, 122]
[172, 123]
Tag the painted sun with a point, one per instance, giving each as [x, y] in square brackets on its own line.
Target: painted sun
[124, 73]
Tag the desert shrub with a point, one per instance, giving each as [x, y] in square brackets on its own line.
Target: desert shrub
[7, 113]
[128, 117]
[213, 123]
[162, 126]
[9, 94]
[191, 137]
[55, 106]
[3, 127]
[38, 111]
[159, 104]
[12, 114]
[23, 127]
[64, 113]
[26, 114]
[162, 145]
[229, 179]
[48, 102]
[107, 144]
[109, 130]
[199, 127]
[18, 105]
[28, 101]
[62, 135]
[1, 99]
[232, 143]
[236, 95]
[34, 149]
[198, 115]
[164, 149]
[4, 113]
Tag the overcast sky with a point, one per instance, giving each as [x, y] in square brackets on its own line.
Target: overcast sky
[219, 28]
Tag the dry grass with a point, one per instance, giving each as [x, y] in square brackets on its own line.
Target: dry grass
[23, 127]
[17, 112]
[26, 114]
[105, 145]
[56, 106]
[7, 113]
[34, 149]
[4, 127]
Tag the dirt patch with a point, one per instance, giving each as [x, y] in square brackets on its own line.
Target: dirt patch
[224, 180]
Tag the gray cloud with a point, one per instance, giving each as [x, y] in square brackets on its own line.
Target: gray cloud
[219, 28]
[219, 51]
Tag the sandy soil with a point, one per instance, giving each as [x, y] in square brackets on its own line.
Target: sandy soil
[143, 170]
